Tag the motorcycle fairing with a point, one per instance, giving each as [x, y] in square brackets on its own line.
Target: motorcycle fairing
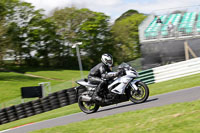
[122, 83]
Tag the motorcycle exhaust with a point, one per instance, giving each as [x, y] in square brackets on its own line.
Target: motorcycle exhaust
[86, 98]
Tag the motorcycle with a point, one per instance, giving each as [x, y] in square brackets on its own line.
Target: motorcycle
[123, 88]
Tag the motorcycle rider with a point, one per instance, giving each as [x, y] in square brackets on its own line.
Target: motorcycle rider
[101, 73]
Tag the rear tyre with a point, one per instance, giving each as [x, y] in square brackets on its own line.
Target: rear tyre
[87, 107]
[140, 95]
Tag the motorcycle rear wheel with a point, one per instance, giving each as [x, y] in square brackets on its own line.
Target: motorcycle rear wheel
[87, 107]
[141, 94]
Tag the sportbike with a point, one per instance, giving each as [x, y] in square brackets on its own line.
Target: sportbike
[123, 88]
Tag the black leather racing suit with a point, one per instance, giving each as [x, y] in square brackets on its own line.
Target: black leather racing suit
[97, 74]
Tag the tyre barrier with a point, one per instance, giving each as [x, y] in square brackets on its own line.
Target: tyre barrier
[52, 101]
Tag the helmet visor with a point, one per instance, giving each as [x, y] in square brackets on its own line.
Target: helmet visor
[109, 62]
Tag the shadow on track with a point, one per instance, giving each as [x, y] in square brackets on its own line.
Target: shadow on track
[121, 106]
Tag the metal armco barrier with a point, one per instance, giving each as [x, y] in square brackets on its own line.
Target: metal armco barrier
[171, 71]
[177, 70]
[147, 76]
[52, 101]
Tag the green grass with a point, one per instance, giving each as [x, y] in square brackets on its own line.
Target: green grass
[10, 84]
[60, 74]
[176, 118]
[175, 84]
[48, 72]
[158, 88]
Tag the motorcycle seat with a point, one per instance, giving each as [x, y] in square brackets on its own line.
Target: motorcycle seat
[92, 85]
[86, 83]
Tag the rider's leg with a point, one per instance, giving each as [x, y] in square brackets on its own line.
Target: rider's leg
[96, 80]
[100, 88]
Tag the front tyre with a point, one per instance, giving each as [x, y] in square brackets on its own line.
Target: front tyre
[140, 95]
[87, 107]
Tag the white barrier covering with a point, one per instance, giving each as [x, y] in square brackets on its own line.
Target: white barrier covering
[177, 70]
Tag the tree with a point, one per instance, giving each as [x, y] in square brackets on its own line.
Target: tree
[4, 40]
[3, 46]
[96, 37]
[44, 40]
[125, 33]
[68, 21]
[90, 28]
[127, 14]
[18, 16]
[33, 37]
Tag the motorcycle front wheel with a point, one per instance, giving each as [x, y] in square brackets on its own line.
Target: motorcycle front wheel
[87, 107]
[140, 95]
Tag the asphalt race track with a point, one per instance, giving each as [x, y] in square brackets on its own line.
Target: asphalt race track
[185, 95]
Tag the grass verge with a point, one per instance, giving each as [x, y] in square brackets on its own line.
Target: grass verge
[10, 84]
[175, 84]
[177, 118]
[59, 74]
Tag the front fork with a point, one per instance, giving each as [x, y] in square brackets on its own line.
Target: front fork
[133, 84]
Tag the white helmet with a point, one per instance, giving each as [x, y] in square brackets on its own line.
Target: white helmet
[107, 59]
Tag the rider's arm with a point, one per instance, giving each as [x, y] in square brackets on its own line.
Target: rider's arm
[107, 75]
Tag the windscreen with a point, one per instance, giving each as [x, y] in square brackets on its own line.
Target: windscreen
[124, 65]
